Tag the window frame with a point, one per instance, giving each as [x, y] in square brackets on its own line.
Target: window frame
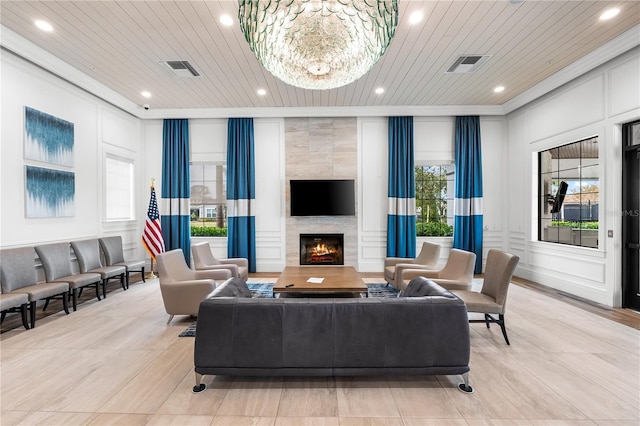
[203, 207]
[449, 199]
[109, 156]
[582, 236]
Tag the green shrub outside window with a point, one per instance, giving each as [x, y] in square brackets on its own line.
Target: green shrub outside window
[434, 200]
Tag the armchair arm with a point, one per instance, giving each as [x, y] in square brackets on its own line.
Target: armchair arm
[238, 261]
[453, 284]
[401, 268]
[184, 297]
[409, 274]
[226, 267]
[213, 274]
[393, 261]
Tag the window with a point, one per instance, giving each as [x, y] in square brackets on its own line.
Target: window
[118, 188]
[569, 194]
[434, 200]
[208, 203]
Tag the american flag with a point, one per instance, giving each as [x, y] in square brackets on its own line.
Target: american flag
[152, 235]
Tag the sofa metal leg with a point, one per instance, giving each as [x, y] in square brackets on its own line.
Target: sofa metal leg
[199, 387]
[465, 387]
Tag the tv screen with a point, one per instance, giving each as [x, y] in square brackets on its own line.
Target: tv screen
[323, 198]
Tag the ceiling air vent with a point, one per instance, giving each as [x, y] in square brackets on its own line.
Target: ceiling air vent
[468, 63]
[182, 68]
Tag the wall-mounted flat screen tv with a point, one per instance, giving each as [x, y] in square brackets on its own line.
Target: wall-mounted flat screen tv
[329, 197]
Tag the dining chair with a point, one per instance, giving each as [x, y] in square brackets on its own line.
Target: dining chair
[492, 299]
[114, 256]
[88, 255]
[18, 275]
[56, 261]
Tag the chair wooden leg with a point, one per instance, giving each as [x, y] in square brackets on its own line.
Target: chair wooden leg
[74, 296]
[127, 279]
[504, 329]
[4, 314]
[143, 278]
[23, 314]
[487, 319]
[122, 283]
[32, 309]
[65, 302]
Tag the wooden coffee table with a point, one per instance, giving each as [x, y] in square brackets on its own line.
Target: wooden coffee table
[336, 280]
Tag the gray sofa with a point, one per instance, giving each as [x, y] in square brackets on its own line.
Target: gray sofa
[424, 332]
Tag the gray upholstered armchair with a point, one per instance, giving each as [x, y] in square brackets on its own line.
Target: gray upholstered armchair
[203, 259]
[394, 267]
[183, 288]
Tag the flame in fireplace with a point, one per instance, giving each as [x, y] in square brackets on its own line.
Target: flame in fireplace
[321, 250]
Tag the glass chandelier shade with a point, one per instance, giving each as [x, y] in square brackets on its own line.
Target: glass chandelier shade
[318, 44]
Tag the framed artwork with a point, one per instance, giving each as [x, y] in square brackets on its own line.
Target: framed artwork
[47, 139]
[49, 192]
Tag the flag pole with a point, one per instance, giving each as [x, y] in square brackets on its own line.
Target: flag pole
[151, 273]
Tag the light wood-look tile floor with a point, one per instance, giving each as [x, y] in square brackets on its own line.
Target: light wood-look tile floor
[117, 362]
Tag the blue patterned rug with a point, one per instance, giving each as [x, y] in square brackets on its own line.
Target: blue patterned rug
[265, 290]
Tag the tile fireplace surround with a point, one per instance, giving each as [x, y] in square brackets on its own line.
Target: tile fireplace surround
[321, 148]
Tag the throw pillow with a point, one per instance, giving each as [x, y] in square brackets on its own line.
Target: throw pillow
[233, 287]
[419, 286]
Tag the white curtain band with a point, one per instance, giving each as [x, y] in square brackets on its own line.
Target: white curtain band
[175, 206]
[468, 206]
[236, 208]
[402, 206]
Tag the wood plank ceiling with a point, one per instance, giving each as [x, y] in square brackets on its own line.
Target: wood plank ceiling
[123, 44]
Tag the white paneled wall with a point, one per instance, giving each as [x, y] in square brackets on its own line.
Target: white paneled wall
[595, 104]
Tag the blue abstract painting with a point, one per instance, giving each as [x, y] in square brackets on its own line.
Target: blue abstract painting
[47, 138]
[50, 192]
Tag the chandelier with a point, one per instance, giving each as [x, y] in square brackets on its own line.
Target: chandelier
[318, 44]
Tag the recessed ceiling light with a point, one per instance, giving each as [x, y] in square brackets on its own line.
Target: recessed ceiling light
[44, 25]
[499, 89]
[608, 14]
[226, 20]
[146, 94]
[379, 90]
[415, 17]
[261, 92]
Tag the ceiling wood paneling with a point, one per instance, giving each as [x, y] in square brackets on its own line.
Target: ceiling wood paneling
[122, 44]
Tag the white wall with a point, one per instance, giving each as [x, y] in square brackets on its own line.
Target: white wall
[99, 129]
[597, 103]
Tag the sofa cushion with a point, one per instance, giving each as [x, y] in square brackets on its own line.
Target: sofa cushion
[233, 287]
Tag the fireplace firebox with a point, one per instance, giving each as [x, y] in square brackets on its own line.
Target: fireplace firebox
[321, 249]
